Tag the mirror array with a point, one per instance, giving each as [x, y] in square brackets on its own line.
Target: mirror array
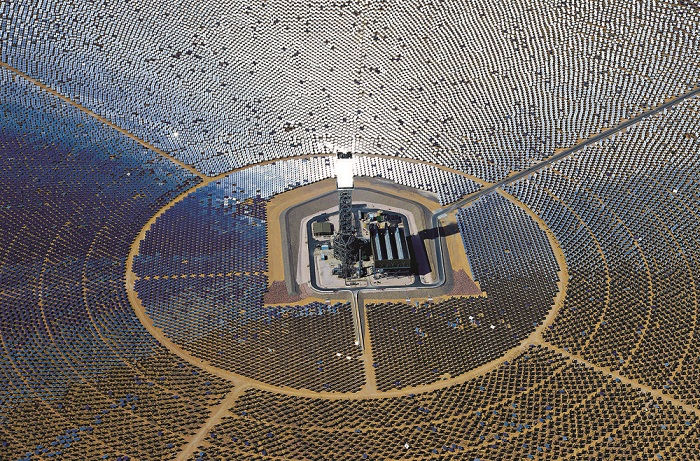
[486, 88]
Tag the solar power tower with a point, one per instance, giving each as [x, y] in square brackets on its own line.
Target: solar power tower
[346, 246]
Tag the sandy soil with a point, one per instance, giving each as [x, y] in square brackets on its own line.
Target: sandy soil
[275, 207]
[281, 202]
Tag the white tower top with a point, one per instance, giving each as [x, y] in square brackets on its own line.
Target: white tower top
[343, 173]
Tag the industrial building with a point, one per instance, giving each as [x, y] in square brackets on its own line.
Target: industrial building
[389, 248]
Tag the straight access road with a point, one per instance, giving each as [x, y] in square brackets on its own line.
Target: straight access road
[485, 190]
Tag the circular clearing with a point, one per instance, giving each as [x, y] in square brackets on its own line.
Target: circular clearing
[202, 267]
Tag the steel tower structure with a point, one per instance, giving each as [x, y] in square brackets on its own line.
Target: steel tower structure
[346, 246]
